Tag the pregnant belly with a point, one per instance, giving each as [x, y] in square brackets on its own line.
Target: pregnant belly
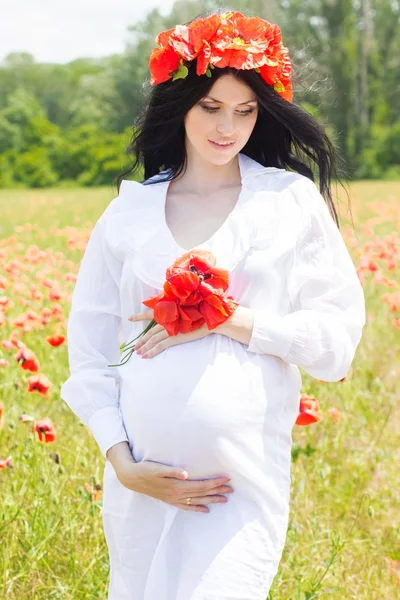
[206, 405]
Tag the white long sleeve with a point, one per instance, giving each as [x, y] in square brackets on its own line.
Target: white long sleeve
[324, 327]
[92, 390]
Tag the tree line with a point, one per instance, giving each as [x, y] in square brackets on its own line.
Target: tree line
[69, 124]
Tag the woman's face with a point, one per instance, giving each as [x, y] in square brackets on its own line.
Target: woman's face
[226, 115]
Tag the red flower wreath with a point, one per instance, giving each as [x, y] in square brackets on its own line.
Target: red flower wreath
[227, 40]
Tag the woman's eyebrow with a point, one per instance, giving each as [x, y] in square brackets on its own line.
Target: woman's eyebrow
[219, 101]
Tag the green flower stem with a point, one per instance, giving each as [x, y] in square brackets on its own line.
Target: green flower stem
[131, 346]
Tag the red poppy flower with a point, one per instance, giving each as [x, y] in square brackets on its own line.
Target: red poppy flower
[309, 410]
[1, 415]
[193, 294]
[40, 384]
[189, 40]
[55, 340]
[27, 360]
[44, 429]
[163, 62]
[202, 264]
[24, 418]
[4, 463]
[242, 42]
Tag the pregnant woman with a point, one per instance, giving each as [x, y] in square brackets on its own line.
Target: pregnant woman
[196, 427]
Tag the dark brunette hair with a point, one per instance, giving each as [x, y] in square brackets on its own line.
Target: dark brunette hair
[284, 136]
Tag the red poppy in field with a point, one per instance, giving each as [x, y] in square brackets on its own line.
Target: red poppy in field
[56, 294]
[309, 410]
[40, 384]
[5, 463]
[335, 414]
[4, 301]
[24, 418]
[44, 430]
[27, 360]
[95, 492]
[16, 342]
[394, 567]
[55, 340]
[1, 415]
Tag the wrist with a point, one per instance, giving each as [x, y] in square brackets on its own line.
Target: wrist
[239, 326]
[120, 456]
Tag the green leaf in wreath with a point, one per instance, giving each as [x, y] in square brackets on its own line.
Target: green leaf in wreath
[279, 87]
[181, 72]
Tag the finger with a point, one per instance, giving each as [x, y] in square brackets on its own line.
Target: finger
[202, 487]
[173, 340]
[192, 507]
[147, 336]
[154, 339]
[200, 500]
[223, 489]
[159, 347]
[142, 315]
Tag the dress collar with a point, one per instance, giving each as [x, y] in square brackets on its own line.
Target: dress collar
[137, 228]
[248, 167]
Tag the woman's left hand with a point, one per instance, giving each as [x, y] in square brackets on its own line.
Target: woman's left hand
[157, 339]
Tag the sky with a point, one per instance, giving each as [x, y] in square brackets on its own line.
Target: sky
[62, 30]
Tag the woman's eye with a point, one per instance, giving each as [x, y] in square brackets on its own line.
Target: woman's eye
[208, 109]
[214, 109]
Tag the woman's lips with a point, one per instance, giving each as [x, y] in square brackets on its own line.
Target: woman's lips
[220, 146]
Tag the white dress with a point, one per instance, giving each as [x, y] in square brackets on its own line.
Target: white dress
[213, 406]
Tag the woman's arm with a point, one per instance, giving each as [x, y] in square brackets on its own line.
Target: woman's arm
[92, 391]
[324, 328]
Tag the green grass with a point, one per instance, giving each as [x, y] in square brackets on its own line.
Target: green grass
[344, 521]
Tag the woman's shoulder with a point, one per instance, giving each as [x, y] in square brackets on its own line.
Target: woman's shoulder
[290, 191]
[274, 179]
[132, 217]
[130, 195]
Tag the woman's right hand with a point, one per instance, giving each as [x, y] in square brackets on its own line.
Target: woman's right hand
[170, 485]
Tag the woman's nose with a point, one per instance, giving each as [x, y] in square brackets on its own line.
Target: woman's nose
[226, 126]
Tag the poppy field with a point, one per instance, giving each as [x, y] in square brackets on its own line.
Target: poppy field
[344, 530]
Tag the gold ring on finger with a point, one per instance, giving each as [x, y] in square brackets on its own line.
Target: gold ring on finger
[188, 500]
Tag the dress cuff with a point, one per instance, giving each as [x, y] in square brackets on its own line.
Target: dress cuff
[108, 429]
[271, 334]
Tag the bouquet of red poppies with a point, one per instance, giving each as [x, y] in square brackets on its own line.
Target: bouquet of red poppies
[193, 294]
